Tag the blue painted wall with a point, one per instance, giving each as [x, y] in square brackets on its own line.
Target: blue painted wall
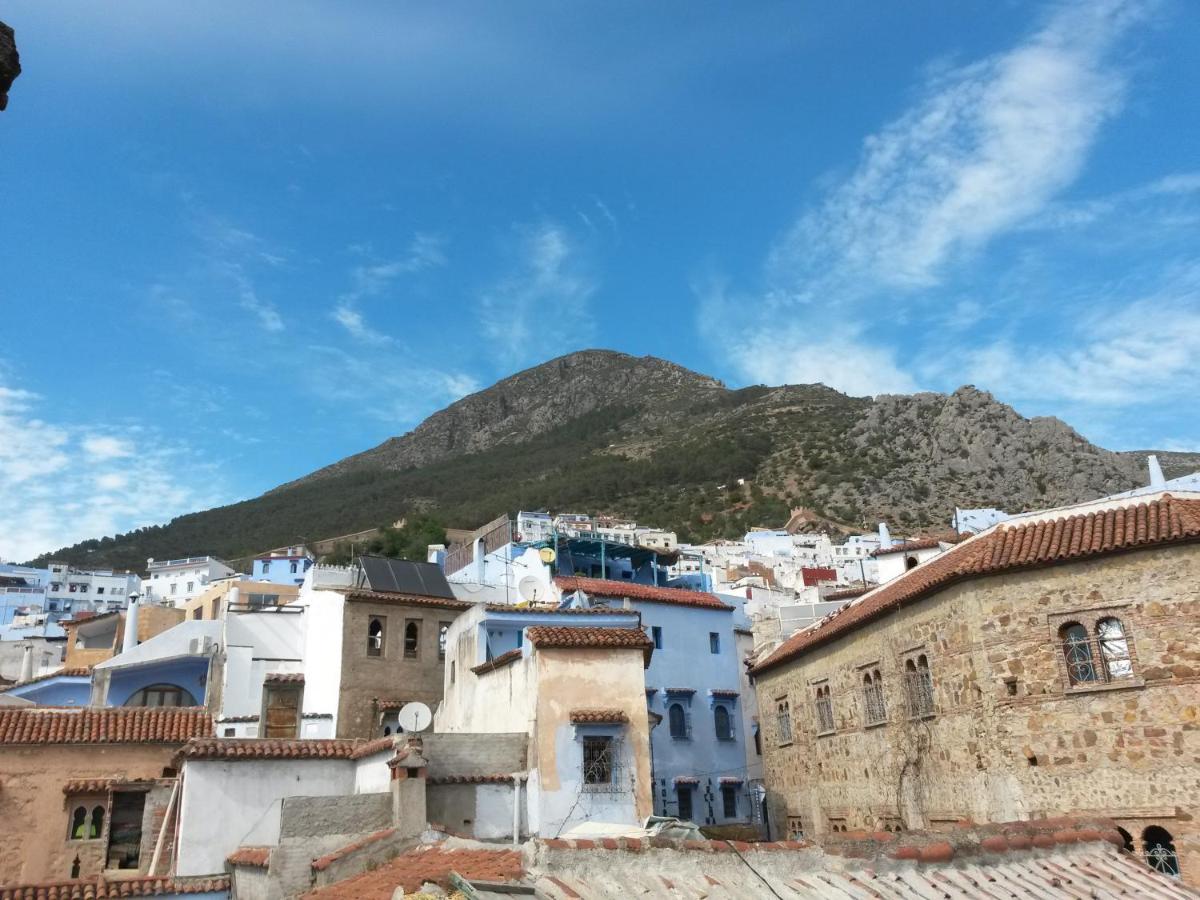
[279, 569]
[191, 674]
[63, 691]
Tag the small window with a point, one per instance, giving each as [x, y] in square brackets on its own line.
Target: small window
[795, 828]
[677, 720]
[729, 802]
[266, 566]
[874, 707]
[825, 723]
[375, 636]
[723, 723]
[1159, 848]
[191, 584]
[1114, 648]
[783, 721]
[97, 821]
[295, 567]
[757, 740]
[918, 683]
[683, 793]
[597, 760]
[412, 639]
[443, 630]
[100, 590]
[452, 671]
[162, 695]
[714, 642]
[80, 829]
[1081, 666]
[656, 636]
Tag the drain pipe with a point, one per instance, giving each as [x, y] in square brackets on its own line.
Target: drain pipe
[516, 777]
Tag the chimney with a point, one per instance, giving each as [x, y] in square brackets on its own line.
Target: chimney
[885, 537]
[130, 640]
[26, 664]
[1157, 481]
[232, 598]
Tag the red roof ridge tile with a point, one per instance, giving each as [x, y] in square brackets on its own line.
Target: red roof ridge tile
[924, 543]
[567, 637]
[403, 599]
[1009, 546]
[281, 748]
[499, 662]
[324, 862]
[605, 587]
[258, 857]
[599, 716]
[100, 889]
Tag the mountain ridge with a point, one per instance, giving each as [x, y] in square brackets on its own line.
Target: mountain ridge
[648, 439]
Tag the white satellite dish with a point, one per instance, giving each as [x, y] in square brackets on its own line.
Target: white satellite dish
[531, 588]
[414, 717]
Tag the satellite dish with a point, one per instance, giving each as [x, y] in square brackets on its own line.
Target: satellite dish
[547, 555]
[531, 588]
[414, 717]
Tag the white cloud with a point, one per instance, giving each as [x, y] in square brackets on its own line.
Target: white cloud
[60, 484]
[540, 307]
[986, 147]
[426, 251]
[352, 320]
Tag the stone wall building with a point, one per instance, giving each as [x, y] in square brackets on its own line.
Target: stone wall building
[85, 791]
[1048, 666]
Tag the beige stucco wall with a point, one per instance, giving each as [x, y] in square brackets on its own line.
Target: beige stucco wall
[35, 820]
[1131, 752]
[211, 603]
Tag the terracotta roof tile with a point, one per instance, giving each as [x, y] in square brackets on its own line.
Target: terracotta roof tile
[370, 748]
[843, 594]
[604, 587]
[284, 678]
[599, 717]
[93, 725]
[1008, 547]
[499, 662]
[389, 703]
[412, 869]
[102, 785]
[407, 599]
[324, 862]
[61, 673]
[928, 543]
[473, 779]
[555, 637]
[553, 610]
[814, 575]
[269, 748]
[103, 890]
[259, 857]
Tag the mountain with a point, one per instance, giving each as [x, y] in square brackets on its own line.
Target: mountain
[600, 431]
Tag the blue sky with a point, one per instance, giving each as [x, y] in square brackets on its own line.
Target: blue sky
[240, 241]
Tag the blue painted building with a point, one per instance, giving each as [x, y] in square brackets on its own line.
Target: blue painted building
[698, 752]
[73, 688]
[21, 586]
[287, 565]
[170, 669]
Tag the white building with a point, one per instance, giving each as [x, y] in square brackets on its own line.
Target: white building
[534, 527]
[172, 581]
[973, 521]
[72, 589]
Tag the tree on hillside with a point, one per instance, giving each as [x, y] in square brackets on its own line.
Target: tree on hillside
[409, 541]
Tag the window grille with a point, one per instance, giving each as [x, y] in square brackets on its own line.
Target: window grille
[603, 764]
[824, 710]
[729, 804]
[1114, 648]
[783, 720]
[874, 708]
[1159, 848]
[683, 793]
[919, 686]
[1081, 665]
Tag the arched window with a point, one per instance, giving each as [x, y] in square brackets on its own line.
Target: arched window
[677, 721]
[162, 695]
[874, 707]
[412, 640]
[1159, 848]
[1081, 667]
[824, 710]
[78, 824]
[919, 684]
[294, 567]
[375, 638]
[723, 725]
[97, 821]
[1114, 648]
[1127, 838]
[910, 562]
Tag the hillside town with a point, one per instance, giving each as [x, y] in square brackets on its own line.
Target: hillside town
[573, 706]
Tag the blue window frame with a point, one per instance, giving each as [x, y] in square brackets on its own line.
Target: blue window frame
[714, 642]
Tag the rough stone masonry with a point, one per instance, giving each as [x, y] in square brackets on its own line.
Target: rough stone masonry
[10, 63]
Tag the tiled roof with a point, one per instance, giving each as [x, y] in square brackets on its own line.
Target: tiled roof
[61, 673]
[284, 678]
[554, 637]
[474, 779]
[381, 703]
[599, 717]
[815, 575]
[91, 725]
[268, 748]
[370, 748]
[553, 610]
[929, 543]
[324, 862]
[259, 857]
[424, 864]
[101, 785]
[604, 587]
[407, 599]
[504, 659]
[1010, 546]
[686, 779]
[104, 890]
[843, 594]
[719, 692]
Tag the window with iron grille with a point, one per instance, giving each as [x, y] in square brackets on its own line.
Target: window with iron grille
[783, 721]
[1077, 648]
[824, 710]
[918, 683]
[723, 722]
[874, 707]
[597, 760]
[1096, 649]
[683, 793]
[729, 804]
[1114, 648]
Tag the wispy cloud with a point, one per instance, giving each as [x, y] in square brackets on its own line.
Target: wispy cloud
[62, 483]
[426, 251]
[231, 253]
[540, 307]
[984, 148]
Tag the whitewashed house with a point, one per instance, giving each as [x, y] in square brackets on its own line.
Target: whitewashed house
[172, 581]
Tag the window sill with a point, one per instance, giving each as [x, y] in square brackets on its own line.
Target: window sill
[829, 733]
[879, 724]
[782, 744]
[922, 717]
[1094, 686]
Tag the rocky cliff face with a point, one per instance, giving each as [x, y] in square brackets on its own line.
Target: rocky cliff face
[10, 63]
